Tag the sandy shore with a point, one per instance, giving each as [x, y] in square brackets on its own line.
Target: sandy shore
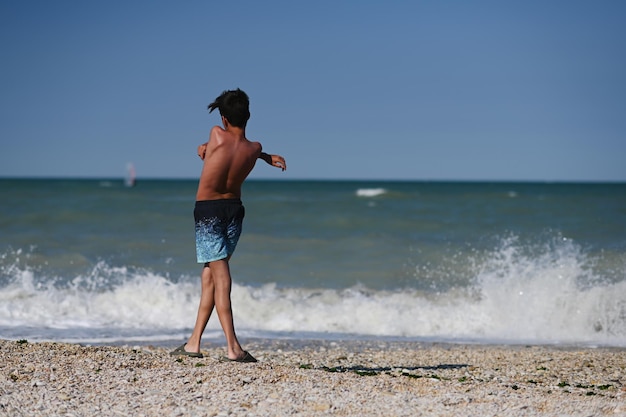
[313, 378]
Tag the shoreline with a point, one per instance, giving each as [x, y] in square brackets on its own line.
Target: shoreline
[313, 377]
[216, 339]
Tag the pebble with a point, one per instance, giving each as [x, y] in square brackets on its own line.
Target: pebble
[310, 378]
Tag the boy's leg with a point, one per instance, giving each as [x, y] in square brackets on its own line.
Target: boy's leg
[207, 303]
[220, 272]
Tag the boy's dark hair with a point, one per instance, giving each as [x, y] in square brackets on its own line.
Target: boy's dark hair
[234, 105]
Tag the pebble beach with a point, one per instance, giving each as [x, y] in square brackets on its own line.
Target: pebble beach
[310, 378]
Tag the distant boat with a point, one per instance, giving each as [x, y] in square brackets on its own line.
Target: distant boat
[130, 179]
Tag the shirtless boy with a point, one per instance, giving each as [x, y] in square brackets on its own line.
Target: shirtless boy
[228, 159]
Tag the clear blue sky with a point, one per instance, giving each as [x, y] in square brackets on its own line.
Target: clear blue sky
[424, 90]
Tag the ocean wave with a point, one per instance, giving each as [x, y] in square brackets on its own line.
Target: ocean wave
[516, 295]
[370, 192]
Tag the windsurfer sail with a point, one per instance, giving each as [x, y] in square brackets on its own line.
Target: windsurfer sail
[129, 181]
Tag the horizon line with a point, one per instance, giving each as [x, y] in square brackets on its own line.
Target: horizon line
[346, 179]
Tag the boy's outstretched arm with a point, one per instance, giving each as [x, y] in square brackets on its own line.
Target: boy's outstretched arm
[274, 160]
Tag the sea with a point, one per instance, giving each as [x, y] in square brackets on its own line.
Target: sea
[96, 262]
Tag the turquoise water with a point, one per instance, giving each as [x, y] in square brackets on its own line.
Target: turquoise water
[92, 260]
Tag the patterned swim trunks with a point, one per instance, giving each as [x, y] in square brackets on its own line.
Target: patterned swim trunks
[218, 227]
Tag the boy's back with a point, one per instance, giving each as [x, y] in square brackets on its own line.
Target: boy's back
[228, 159]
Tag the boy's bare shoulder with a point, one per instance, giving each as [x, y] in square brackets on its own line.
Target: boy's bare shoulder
[217, 132]
[257, 148]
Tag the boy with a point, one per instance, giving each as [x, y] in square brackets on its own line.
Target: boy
[228, 159]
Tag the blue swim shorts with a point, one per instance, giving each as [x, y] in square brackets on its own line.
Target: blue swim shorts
[218, 227]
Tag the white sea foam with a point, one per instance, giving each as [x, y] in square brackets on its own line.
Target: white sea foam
[515, 296]
[370, 192]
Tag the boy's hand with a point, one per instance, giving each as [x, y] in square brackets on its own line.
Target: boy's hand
[279, 162]
[274, 160]
[202, 151]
